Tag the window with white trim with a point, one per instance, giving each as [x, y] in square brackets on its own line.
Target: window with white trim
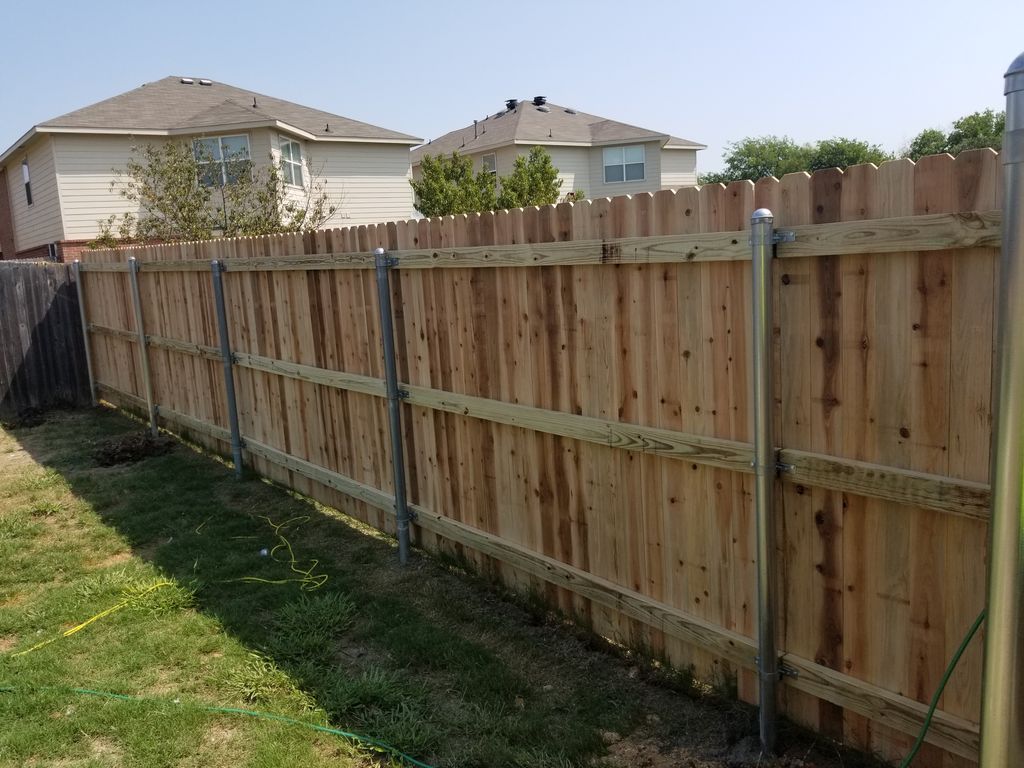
[27, 178]
[222, 160]
[490, 163]
[624, 164]
[291, 162]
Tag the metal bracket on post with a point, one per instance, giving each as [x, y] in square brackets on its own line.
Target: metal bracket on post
[147, 381]
[766, 467]
[383, 263]
[216, 270]
[783, 236]
[77, 269]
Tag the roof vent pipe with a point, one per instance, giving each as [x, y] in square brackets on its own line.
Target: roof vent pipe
[511, 104]
[474, 129]
[539, 101]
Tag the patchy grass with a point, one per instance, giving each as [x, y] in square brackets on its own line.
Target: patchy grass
[325, 628]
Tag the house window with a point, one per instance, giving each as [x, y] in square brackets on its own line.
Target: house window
[490, 164]
[291, 162]
[222, 160]
[28, 181]
[624, 164]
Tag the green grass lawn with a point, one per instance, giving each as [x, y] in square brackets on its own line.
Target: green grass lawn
[423, 658]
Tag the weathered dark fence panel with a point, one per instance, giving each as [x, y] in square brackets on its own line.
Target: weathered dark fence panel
[42, 357]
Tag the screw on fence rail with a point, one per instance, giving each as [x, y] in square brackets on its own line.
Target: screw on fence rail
[1002, 692]
[216, 271]
[77, 269]
[383, 263]
[147, 381]
[765, 470]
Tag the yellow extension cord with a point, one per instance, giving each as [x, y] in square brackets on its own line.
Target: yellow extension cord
[307, 581]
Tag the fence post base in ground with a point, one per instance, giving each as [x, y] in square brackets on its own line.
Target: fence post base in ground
[216, 269]
[383, 263]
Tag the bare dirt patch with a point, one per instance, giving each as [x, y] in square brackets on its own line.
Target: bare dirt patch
[7, 642]
[26, 418]
[130, 448]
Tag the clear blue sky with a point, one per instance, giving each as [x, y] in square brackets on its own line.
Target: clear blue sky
[710, 71]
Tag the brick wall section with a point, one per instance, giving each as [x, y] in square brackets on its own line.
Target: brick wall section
[6, 219]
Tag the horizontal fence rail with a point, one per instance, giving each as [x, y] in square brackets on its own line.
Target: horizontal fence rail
[909, 233]
[581, 424]
[919, 489]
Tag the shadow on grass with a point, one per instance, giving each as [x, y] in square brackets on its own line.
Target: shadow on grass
[420, 657]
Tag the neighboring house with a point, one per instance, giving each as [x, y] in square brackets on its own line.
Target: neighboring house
[601, 157]
[55, 180]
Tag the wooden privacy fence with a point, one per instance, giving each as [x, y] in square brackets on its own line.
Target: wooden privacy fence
[42, 356]
[577, 412]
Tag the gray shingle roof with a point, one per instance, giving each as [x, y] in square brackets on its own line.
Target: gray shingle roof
[526, 124]
[170, 105]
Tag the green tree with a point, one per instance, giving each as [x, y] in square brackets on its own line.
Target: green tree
[977, 131]
[974, 131]
[757, 156]
[181, 194]
[447, 186]
[842, 153]
[930, 141]
[534, 181]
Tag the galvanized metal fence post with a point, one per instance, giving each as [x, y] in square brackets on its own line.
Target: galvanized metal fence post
[216, 270]
[383, 263]
[765, 469]
[77, 270]
[147, 381]
[1002, 692]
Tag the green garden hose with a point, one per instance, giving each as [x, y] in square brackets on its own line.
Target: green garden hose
[380, 745]
[942, 686]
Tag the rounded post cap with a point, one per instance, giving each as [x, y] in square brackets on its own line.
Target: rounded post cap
[762, 213]
[1014, 77]
[1017, 67]
[379, 251]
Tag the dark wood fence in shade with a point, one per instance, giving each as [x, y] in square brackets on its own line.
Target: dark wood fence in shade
[42, 356]
[578, 419]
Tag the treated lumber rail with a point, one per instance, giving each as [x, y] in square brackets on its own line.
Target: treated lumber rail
[949, 732]
[903, 486]
[928, 232]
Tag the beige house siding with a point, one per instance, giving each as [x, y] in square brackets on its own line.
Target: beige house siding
[85, 169]
[652, 173]
[678, 168]
[39, 223]
[573, 164]
[370, 182]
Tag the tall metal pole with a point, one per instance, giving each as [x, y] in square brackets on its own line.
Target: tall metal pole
[216, 269]
[383, 263]
[1002, 705]
[85, 329]
[765, 470]
[147, 381]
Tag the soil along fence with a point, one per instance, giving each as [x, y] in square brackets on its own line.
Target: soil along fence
[42, 355]
[577, 412]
